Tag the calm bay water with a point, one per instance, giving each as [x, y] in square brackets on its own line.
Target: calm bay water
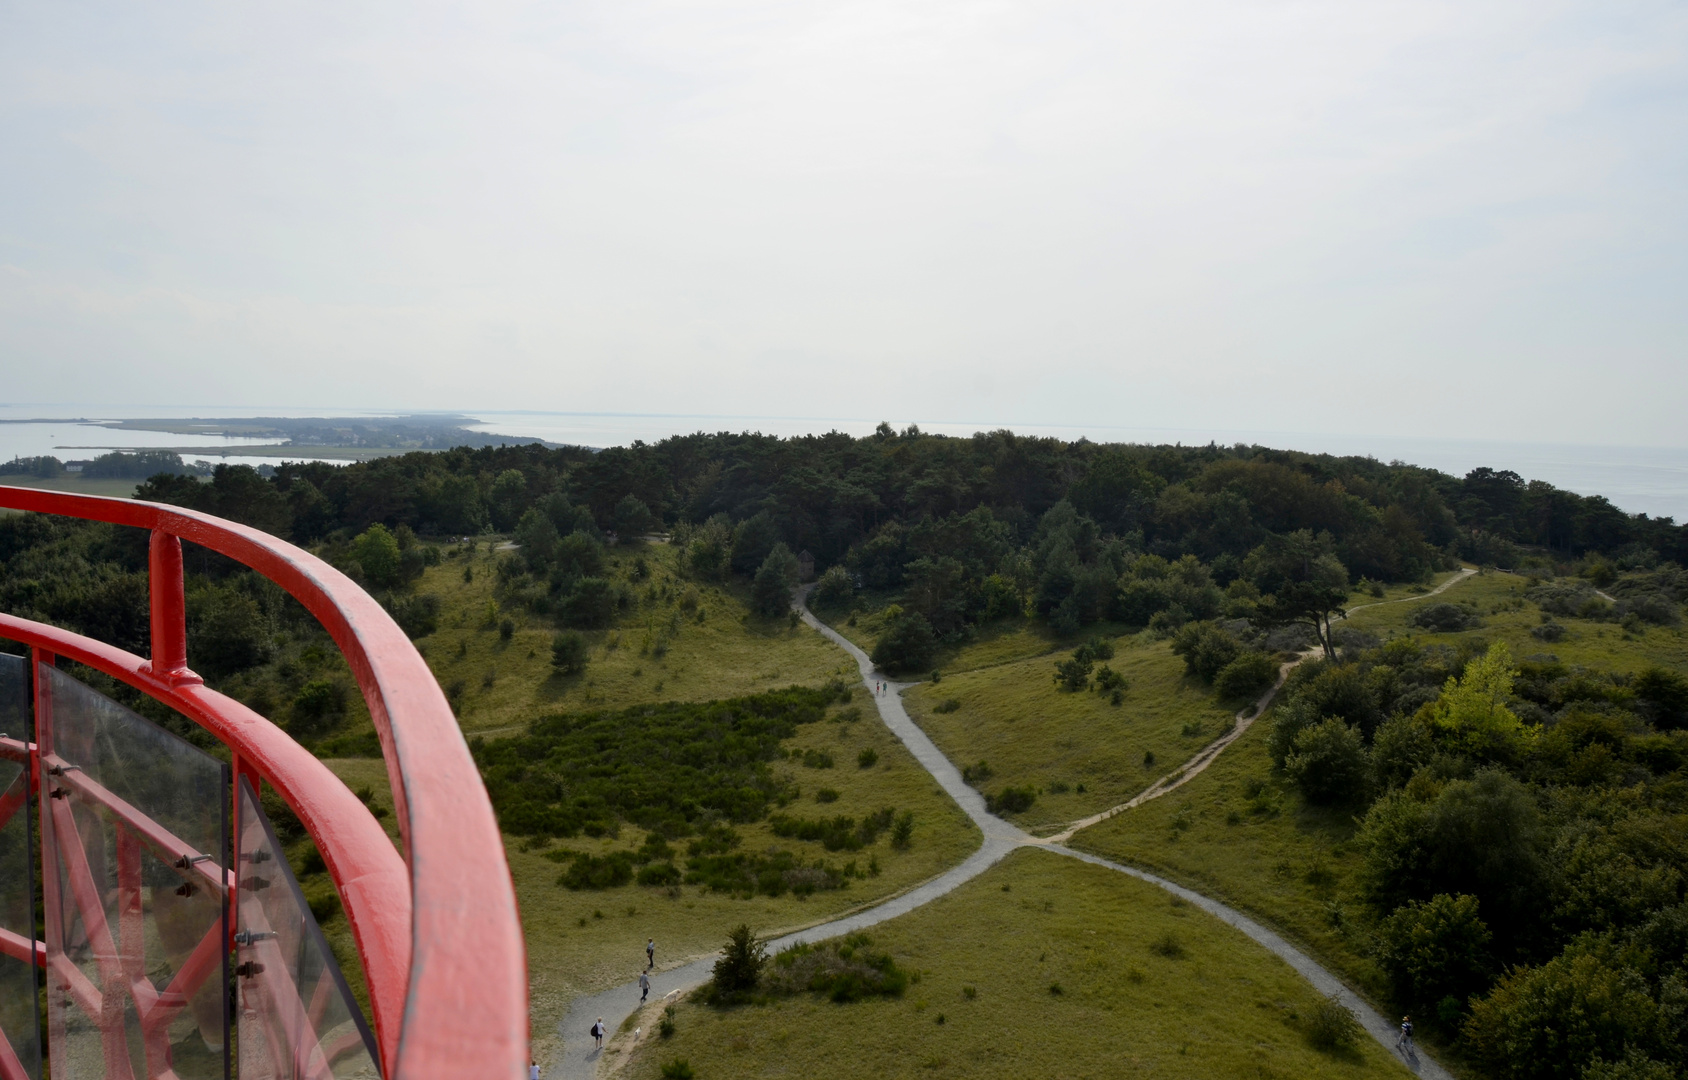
[1650, 480]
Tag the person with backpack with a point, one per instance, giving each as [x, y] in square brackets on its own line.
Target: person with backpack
[598, 1031]
[650, 954]
[1405, 1041]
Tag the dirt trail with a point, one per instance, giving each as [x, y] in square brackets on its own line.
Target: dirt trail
[1186, 772]
[1243, 721]
[1464, 572]
[578, 1060]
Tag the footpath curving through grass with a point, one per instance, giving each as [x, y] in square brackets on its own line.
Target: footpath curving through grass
[587, 940]
[1244, 836]
[1042, 966]
[1079, 752]
[1241, 835]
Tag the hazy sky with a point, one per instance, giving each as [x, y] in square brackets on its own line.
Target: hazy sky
[1458, 218]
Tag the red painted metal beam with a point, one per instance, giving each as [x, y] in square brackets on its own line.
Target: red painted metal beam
[369, 873]
[10, 1067]
[465, 996]
[21, 948]
[169, 610]
[165, 844]
[86, 893]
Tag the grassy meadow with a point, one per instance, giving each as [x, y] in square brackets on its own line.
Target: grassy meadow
[1507, 616]
[1235, 832]
[585, 941]
[1241, 835]
[500, 684]
[1042, 966]
[1002, 642]
[1081, 752]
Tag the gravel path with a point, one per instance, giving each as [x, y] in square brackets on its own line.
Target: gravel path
[579, 1060]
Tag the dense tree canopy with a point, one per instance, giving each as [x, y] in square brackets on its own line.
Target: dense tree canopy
[831, 493]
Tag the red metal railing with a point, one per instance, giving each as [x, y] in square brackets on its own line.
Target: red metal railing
[440, 940]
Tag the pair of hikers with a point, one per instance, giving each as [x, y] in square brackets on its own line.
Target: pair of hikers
[650, 964]
[598, 1028]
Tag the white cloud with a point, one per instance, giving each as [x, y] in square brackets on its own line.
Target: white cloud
[1159, 215]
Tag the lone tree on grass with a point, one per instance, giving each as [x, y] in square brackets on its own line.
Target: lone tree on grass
[568, 652]
[740, 967]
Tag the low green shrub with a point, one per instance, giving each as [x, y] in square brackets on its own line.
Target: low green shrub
[844, 970]
[593, 871]
[1247, 676]
[1011, 800]
[661, 767]
[1167, 945]
[772, 874]
[1332, 1027]
[662, 873]
[840, 833]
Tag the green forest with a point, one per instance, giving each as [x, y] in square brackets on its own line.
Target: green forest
[1525, 845]
[963, 531]
[1522, 818]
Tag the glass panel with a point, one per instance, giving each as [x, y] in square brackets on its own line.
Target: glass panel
[20, 1020]
[297, 1018]
[135, 834]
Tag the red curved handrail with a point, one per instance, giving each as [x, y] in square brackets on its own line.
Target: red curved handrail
[444, 957]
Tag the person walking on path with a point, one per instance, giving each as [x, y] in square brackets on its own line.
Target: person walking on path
[650, 954]
[644, 987]
[533, 1069]
[598, 1032]
[1405, 1042]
